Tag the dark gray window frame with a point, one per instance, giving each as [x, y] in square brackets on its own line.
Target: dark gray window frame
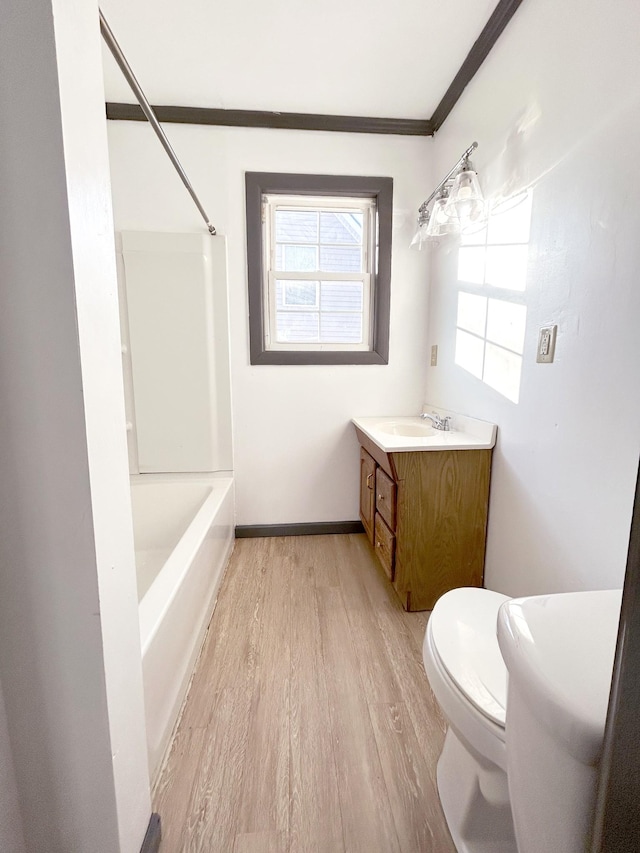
[380, 189]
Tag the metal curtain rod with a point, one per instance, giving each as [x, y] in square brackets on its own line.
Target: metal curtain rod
[147, 109]
[462, 158]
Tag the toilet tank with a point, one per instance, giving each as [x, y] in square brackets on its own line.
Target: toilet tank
[559, 652]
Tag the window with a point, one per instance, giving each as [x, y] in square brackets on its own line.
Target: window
[319, 261]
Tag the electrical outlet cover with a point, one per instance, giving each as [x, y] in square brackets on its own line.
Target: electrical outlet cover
[546, 344]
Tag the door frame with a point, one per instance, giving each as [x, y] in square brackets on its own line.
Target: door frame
[617, 811]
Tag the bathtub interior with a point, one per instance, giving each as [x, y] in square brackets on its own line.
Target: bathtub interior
[162, 512]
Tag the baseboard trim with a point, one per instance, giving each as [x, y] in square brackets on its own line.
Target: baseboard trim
[313, 528]
[151, 843]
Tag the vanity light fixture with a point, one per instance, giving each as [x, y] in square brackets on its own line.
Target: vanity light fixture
[458, 203]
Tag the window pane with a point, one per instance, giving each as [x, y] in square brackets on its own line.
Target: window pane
[340, 259]
[297, 327]
[472, 313]
[296, 258]
[297, 226]
[342, 296]
[341, 328]
[297, 294]
[341, 228]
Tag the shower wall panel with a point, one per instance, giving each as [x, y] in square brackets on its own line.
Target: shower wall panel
[175, 291]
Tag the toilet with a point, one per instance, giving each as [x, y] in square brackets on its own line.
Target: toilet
[468, 677]
[518, 769]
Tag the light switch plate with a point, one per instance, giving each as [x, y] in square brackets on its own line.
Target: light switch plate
[434, 355]
[546, 344]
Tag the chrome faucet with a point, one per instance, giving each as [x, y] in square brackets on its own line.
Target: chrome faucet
[437, 421]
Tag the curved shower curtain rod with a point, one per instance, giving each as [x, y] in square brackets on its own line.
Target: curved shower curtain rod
[147, 109]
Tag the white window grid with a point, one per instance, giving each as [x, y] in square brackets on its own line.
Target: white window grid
[320, 204]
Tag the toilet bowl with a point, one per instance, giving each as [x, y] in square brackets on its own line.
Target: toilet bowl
[518, 770]
[469, 679]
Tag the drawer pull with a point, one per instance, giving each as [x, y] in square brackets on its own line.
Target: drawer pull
[380, 497]
[369, 476]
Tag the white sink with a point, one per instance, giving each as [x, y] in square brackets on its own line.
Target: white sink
[419, 430]
[408, 433]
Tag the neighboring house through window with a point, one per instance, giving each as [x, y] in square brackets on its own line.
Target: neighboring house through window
[319, 263]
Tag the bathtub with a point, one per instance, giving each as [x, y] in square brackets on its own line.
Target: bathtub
[183, 533]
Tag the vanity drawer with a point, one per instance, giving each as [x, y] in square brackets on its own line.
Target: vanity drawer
[386, 498]
[385, 546]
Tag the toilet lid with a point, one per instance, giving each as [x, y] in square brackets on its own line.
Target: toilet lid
[559, 650]
[463, 628]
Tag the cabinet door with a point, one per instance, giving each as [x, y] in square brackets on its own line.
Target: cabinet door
[367, 493]
[441, 523]
[386, 498]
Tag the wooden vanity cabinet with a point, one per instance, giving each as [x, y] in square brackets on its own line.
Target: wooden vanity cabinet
[425, 513]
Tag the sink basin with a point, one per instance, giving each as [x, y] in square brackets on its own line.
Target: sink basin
[412, 434]
[416, 430]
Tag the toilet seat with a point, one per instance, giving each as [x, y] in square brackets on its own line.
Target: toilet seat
[468, 677]
[452, 631]
[463, 628]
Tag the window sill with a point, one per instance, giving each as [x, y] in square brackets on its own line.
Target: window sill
[315, 357]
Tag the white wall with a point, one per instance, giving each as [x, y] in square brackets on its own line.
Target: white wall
[556, 107]
[69, 643]
[296, 456]
[11, 834]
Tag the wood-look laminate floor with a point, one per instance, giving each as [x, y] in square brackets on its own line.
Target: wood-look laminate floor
[309, 726]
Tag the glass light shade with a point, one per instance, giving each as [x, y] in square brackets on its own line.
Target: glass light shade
[442, 223]
[420, 238]
[466, 201]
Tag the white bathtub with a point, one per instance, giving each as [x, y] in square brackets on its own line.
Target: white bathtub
[183, 532]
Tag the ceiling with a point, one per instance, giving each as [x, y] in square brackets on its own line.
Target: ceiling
[340, 57]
